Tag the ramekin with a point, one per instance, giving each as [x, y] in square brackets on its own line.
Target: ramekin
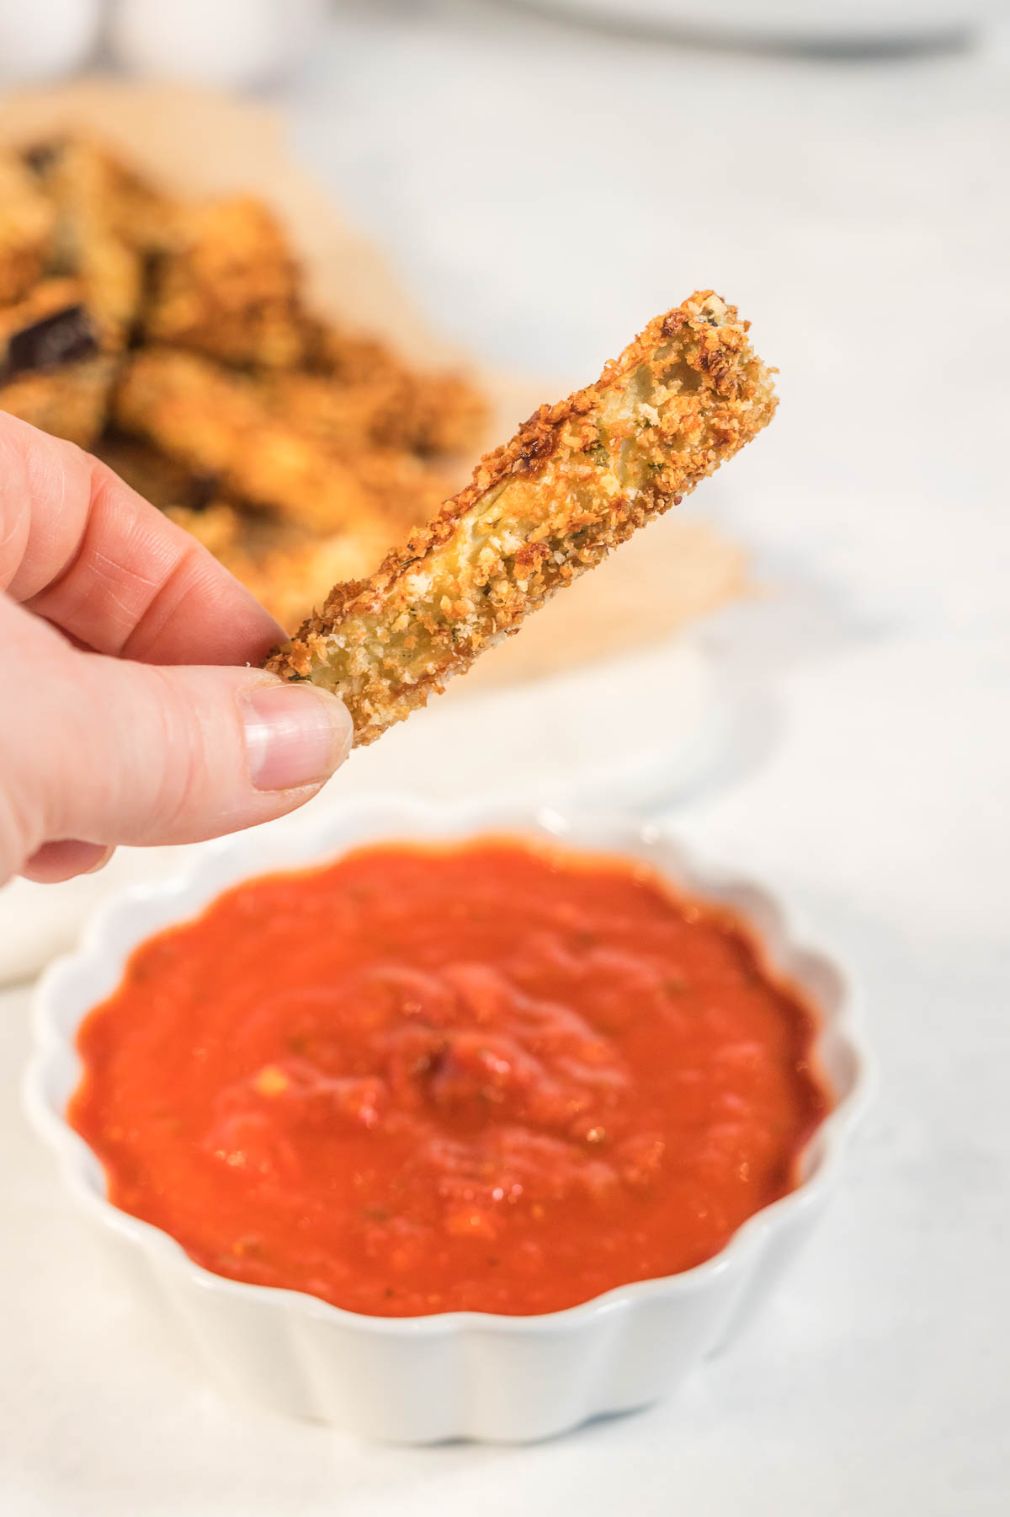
[457, 1374]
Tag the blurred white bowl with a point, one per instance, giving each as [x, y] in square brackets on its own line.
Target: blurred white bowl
[225, 42]
[45, 39]
[820, 23]
[458, 1374]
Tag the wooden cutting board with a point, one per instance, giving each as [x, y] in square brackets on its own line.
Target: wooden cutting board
[204, 143]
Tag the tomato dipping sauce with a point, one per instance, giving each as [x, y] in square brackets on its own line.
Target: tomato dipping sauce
[488, 1076]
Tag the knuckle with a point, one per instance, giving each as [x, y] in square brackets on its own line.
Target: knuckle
[178, 756]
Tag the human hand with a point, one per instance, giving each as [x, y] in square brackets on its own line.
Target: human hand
[126, 715]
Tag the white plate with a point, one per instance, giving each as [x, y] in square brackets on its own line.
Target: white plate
[628, 732]
[842, 23]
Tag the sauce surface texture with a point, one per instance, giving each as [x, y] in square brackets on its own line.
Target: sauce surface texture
[484, 1077]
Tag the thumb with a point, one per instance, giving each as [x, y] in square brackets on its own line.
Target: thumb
[115, 752]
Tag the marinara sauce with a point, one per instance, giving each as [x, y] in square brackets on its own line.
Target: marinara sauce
[486, 1077]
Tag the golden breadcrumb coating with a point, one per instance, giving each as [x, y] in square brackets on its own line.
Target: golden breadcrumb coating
[223, 425]
[217, 423]
[428, 414]
[69, 403]
[159, 479]
[32, 314]
[52, 372]
[355, 385]
[136, 208]
[27, 221]
[575, 481]
[94, 196]
[228, 285]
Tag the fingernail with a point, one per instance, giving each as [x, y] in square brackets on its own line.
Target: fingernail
[295, 735]
[101, 861]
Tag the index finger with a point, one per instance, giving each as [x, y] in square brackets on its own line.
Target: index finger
[82, 549]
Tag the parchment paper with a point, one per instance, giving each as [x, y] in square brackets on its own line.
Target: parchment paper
[199, 142]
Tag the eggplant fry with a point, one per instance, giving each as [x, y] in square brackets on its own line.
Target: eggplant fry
[577, 479]
[230, 427]
[216, 423]
[27, 222]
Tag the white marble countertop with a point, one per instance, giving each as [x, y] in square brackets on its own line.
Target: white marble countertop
[545, 191]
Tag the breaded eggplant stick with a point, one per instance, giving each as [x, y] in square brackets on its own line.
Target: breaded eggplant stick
[228, 285]
[216, 423]
[225, 425]
[575, 481]
[27, 222]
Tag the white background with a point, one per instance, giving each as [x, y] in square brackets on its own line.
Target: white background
[544, 192]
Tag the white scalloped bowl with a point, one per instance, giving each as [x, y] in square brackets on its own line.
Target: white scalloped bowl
[457, 1374]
